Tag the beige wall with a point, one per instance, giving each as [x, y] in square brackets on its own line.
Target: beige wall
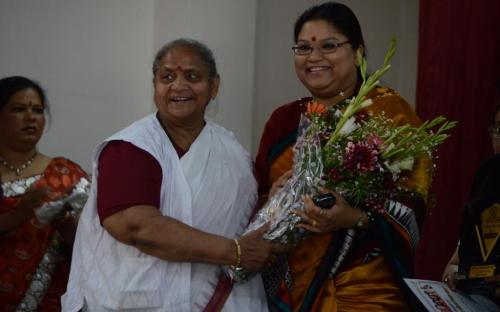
[94, 58]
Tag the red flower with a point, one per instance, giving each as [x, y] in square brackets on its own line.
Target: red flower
[374, 139]
[334, 175]
[361, 157]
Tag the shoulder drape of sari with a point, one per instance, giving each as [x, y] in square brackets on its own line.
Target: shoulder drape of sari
[348, 290]
[22, 249]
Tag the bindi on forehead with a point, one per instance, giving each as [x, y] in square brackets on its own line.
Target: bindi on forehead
[180, 69]
[313, 39]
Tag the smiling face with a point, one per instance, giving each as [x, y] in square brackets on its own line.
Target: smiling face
[325, 75]
[182, 87]
[22, 119]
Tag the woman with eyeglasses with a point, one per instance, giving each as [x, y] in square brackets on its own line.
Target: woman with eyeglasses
[482, 211]
[327, 37]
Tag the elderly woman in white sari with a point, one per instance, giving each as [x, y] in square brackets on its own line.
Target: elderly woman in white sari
[170, 195]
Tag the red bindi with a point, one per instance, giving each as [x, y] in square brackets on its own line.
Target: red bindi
[313, 39]
[179, 68]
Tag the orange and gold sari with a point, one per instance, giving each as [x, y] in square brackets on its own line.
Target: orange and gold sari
[370, 278]
[34, 262]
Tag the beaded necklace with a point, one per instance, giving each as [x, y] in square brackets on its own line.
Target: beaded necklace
[17, 170]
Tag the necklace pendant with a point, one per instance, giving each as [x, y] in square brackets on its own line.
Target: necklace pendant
[18, 171]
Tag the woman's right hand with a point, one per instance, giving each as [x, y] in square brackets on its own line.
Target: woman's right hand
[450, 275]
[29, 201]
[23, 212]
[256, 252]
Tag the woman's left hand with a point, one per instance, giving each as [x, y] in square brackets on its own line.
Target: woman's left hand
[340, 216]
[450, 275]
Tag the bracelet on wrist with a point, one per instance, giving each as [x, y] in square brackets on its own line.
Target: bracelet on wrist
[238, 253]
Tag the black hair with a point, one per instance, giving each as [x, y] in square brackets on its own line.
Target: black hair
[10, 85]
[205, 54]
[338, 15]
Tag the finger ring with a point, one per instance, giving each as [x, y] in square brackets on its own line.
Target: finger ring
[314, 223]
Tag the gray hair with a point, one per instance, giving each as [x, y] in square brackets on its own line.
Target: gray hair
[205, 54]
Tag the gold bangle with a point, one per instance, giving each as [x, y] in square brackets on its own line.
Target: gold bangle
[238, 252]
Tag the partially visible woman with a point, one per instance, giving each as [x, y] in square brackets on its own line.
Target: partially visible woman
[327, 38]
[484, 196]
[38, 211]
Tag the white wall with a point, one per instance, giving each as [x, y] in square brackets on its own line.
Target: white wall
[275, 79]
[94, 58]
[228, 29]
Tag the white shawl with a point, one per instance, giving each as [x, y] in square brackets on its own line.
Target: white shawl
[211, 188]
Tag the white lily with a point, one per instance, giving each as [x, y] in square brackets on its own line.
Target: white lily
[366, 103]
[366, 86]
[397, 166]
[349, 126]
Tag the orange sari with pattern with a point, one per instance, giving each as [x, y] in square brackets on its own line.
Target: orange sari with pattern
[365, 282]
[22, 249]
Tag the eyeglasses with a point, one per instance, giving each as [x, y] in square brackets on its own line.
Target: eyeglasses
[325, 48]
[495, 130]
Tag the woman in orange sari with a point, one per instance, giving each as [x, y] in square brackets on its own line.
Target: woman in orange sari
[41, 198]
[370, 276]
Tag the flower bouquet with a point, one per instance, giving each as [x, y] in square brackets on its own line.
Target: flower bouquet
[343, 148]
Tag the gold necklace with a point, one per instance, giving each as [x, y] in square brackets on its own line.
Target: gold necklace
[17, 170]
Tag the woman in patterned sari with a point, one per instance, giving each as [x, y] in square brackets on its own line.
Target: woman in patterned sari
[327, 37]
[38, 210]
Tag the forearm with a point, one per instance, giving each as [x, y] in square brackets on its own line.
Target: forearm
[455, 260]
[450, 273]
[172, 240]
